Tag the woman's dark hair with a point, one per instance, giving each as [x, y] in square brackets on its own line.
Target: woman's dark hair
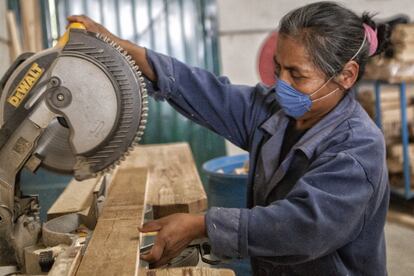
[333, 34]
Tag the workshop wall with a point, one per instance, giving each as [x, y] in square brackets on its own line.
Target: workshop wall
[244, 24]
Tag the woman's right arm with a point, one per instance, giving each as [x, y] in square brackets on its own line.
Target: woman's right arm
[232, 111]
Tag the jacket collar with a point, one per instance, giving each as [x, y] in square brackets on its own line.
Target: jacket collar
[276, 125]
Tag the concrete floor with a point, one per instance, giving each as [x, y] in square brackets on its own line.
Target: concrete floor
[400, 249]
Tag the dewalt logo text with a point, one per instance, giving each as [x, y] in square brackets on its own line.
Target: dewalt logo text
[24, 87]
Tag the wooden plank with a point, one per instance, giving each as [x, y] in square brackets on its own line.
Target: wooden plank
[193, 271]
[114, 245]
[396, 151]
[4, 39]
[16, 46]
[77, 196]
[31, 25]
[174, 183]
[394, 115]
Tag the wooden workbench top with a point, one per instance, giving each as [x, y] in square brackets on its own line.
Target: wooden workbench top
[166, 176]
[174, 184]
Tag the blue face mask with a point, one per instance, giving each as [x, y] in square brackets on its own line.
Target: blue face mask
[295, 103]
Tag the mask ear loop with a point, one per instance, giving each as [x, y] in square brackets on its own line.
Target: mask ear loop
[327, 95]
[356, 54]
[313, 93]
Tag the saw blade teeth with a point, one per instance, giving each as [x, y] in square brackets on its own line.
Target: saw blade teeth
[144, 102]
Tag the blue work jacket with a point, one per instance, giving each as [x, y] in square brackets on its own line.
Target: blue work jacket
[323, 210]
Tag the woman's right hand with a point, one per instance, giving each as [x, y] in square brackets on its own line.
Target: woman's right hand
[136, 52]
[93, 26]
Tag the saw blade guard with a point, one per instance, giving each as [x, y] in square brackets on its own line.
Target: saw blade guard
[99, 96]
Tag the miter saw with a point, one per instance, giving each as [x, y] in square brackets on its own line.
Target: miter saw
[76, 108]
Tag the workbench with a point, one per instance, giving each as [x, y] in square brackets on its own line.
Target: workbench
[161, 176]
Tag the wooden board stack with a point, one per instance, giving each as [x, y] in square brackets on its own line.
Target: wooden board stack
[390, 110]
[403, 42]
[391, 125]
[401, 66]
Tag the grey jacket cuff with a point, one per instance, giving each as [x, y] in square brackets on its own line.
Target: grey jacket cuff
[227, 231]
[162, 65]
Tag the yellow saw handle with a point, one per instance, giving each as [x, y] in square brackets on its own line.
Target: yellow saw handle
[65, 37]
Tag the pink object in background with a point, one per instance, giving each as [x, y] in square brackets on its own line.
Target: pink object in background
[265, 62]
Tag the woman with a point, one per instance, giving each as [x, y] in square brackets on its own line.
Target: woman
[318, 185]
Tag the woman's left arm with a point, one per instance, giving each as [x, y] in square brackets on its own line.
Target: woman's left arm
[325, 210]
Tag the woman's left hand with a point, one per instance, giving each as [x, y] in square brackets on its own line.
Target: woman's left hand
[175, 233]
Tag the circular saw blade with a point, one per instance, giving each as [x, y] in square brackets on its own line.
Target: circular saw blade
[55, 149]
[55, 145]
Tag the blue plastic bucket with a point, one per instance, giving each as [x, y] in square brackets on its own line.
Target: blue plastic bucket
[227, 189]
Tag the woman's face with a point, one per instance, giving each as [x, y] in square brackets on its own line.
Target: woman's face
[294, 66]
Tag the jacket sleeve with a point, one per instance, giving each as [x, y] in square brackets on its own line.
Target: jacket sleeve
[213, 102]
[324, 211]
